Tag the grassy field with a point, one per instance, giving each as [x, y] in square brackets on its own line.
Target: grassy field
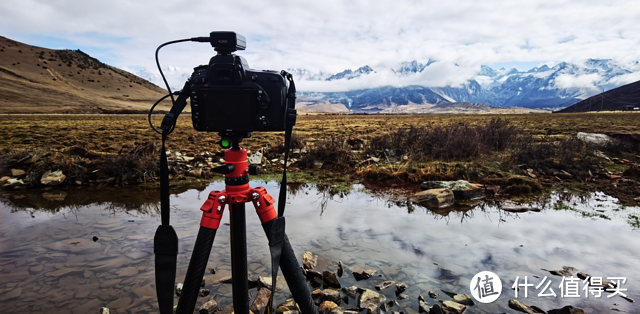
[120, 133]
[520, 153]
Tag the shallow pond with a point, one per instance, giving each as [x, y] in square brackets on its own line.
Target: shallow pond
[49, 263]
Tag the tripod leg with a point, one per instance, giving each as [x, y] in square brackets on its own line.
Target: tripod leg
[195, 272]
[239, 258]
[293, 275]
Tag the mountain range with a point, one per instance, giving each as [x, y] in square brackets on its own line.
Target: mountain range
[541, 87]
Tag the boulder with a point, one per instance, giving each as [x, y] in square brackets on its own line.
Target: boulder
[350, 291]
[326, 307]
[340, 269]
[434, 198]
[453, 307]
[567, 310]
[594, 138]
[255, 159]
[195, 172]
[4, 179]
[385, 284]
[400, 288]
[518, 306]
[463, 299]
[462, 190]
[260, 303]
[104, 310]
[209, 307]
[266, 282]
[330, 279]
[309, 260]
[13, 183]
[287, 306]
[436, 309]
[52, 178]
[17, 173]
[369, 297]
[361, 274]
[423, 307]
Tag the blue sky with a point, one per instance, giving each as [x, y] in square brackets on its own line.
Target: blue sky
[333, 35]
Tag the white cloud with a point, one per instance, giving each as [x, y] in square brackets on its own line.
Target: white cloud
[578, 81]
[333, 35]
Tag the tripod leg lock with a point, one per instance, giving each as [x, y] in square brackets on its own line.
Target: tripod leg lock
[264, 205]
[212, 210]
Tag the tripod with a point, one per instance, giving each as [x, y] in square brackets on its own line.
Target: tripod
[237, 192]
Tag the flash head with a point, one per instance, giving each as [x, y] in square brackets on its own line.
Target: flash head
[227, 42]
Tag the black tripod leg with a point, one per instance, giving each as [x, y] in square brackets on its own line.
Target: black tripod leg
[293, 275]
[195, 272]
[239, 259]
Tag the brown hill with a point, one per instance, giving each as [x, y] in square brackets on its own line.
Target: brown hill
[626, 97]
[40, 80]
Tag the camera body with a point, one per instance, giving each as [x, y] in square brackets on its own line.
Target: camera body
[228, 96]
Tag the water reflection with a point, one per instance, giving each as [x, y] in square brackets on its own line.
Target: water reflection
[48, 260]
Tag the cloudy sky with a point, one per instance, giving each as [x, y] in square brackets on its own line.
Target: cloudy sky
[333, 35]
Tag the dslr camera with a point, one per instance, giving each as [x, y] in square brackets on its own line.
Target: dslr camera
[229, 97]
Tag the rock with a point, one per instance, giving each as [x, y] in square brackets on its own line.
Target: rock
[204, 292]
[104, 310]
[260, 303]
[309, 260]
[202, 283]
[462, 190]
[463, 299]
[255, 159]
[566, 271]
[350, 291]
[13, 182]
[340, 269]
[4, 179]
[369, 297]
[179, 288]
[434, 198]
[52, 178]
[453, 307]
[332, 295]
[385, 284]
[226, 279]
[60, 196]
[317, 164]
[209, 307]
[538, 310]
[31, 160]
[432, 294]
[287, 306]
[266, 282]
[569, 309]
[594, 138]
[330, 279]
[361, 274]
[400, 288]
[326, 307]
[17, 172]
[449, 293]
[316, 296]
[195, 172]
[518, 306]
[423, 307]
[311, 274]
[402, 296]
[436, 309]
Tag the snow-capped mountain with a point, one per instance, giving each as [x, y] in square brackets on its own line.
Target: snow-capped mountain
[540, 87]
[418, 83]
